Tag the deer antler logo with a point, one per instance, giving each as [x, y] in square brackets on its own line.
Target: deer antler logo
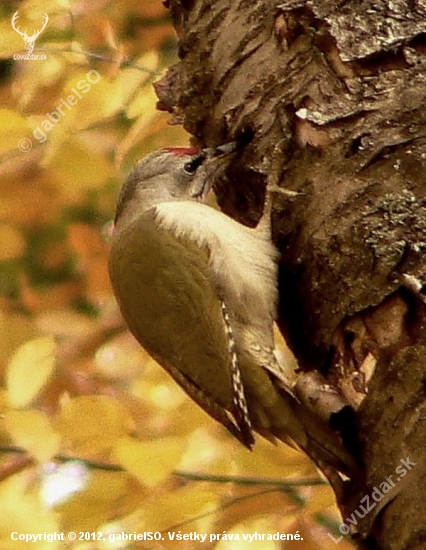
[29, 40]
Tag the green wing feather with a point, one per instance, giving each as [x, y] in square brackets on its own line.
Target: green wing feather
[172, 307]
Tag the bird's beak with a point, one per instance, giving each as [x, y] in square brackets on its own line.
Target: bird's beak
[225, 149]
[210, 168]
[212, 156]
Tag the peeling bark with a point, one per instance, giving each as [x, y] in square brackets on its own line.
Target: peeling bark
[336, 91]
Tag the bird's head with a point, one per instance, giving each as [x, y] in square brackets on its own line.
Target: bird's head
[170, 174]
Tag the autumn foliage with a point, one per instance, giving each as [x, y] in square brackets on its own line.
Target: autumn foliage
[95, 437]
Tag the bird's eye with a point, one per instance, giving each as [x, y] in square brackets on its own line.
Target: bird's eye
[192, 165]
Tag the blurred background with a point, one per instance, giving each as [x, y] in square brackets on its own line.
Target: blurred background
[94, 436]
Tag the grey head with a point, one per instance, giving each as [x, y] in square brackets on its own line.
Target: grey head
[164, 175]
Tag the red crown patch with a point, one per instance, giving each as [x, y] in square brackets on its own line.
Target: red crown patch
[182, 151]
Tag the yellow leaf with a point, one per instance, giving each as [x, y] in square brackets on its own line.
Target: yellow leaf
[92, 424]
[191, 505]
[106, 486]
[88, 98]
[103, 496]
[66, 323]
[14, 132]
[22, 512]
[37, 77]
[149, 461]
[29, 369]
[266, 460]
[75, 178]
[10, 40]
[321, 500]
[32, 431]
[131, 80]
[144, 104]
[120, 358]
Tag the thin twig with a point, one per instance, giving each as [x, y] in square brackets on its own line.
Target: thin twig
[101, 57]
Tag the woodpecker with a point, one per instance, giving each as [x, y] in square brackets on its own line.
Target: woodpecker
[198, 290]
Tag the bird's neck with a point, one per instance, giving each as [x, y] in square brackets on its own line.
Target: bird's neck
[138, 204]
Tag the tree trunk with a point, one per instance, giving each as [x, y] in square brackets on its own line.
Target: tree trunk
[333, 93]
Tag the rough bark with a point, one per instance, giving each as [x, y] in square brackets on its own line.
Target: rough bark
[335, 93]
